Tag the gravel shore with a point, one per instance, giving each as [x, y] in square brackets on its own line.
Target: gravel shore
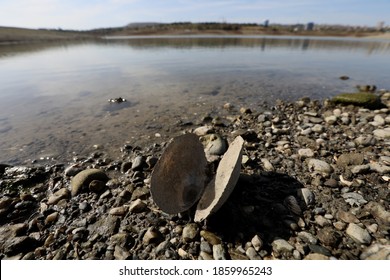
[314, 184]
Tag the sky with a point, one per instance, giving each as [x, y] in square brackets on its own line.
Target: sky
[90, 14]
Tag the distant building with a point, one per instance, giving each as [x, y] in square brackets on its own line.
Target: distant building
[266, 23]
[309, 26]
[380, 26]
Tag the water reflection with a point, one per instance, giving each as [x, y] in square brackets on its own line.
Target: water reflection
[264, 43]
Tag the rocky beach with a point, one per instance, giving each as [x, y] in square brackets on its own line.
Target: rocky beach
[314, 184]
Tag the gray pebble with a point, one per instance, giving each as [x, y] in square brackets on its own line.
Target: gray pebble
[319, 166]
[322, 221]
[281, 246]
[305, 153]
[307, 237]
[354, 199]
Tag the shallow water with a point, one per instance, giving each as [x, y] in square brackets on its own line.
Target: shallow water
[53, 97]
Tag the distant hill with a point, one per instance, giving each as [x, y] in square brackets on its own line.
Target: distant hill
[142, 24]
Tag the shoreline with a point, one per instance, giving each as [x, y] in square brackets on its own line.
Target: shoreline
[11, 35]
[313, 185]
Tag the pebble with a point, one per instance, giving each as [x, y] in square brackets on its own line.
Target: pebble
[281, 246]
[307, 237]
[380, 168]
[151, 236]
[331, 119]
[378, 121]
[354, 199]
[267, 165]
[51, 218]
[376, 252]
[382, 133]
[360, 169]
[203, 130]
[322, 221]
[379, 213]
[190, 232]
[347, 159]
[58, 195]
[219, 252]
[305, 153]
[319, 166]
[329, 237]
[137, 206]
[316, 256]
[210, 237]
[215, 144]
[118, 211]
[97, 186]
[205, 247]
[138, 163]
[251, 253]
[307, 196]
[83, 178]
[347, 217]
[358, 234]
[257, 243]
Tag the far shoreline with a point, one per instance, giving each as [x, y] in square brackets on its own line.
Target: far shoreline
[12, 35]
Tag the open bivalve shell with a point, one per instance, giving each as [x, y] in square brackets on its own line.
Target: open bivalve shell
[221, 186]
[179, 177]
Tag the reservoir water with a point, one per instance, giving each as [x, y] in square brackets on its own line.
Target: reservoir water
[54, 97]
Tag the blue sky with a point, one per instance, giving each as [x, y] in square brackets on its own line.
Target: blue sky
[88, 14]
